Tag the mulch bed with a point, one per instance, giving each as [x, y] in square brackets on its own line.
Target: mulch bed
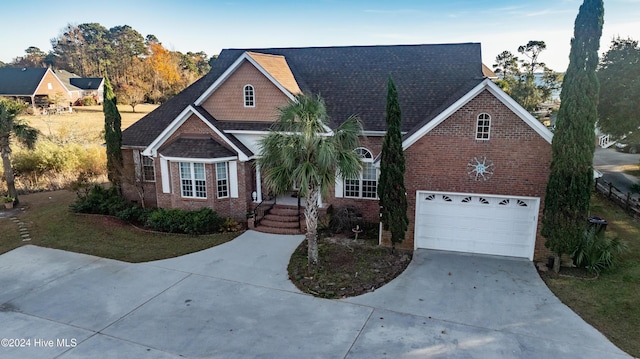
[347, 267]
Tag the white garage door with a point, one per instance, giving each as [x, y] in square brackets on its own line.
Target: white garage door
[475, 223]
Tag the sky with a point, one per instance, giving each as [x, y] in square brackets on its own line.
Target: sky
[211, 25]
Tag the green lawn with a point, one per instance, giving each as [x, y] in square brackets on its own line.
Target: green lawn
[611, 303]
[52, 224]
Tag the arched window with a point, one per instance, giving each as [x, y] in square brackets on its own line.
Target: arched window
[483, 126]
[249, 96]
[365, 185]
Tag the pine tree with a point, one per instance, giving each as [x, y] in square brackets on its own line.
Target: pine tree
[571, 177]
[112, 134]
[391, 189]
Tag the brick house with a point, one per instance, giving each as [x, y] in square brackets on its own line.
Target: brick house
[37, 86]
[81, 87]
[477, 162]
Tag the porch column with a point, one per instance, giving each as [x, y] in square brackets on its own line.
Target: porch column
[258, 185]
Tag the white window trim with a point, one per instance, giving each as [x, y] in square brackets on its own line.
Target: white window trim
[253, 95]
[488, 132]
[367, 160]
[153, 168]
[228, 189]
[193, 179]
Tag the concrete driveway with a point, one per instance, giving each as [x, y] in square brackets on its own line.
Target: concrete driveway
[610, 163]
[235, 301]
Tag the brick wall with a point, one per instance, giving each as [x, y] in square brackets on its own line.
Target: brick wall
[227, 102]
[194, 125]
[438, 161]
[369, 208]
[129, 190]
[227, 207]
[57, 88]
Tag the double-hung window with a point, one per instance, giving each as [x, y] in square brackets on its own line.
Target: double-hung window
[222, 179]
[193, 181]
[365, 185]
[148, 169]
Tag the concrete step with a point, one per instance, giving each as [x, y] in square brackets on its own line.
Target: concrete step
[268, 222]
[274, 230]
[284, 210]
[282, 218]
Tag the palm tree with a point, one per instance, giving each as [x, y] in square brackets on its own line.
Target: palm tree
[300, 148]
[11, 125]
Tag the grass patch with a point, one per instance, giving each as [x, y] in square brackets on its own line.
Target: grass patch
[633, 170]
[610, 303]
[346, 267]
[85, 123]
[51, 224]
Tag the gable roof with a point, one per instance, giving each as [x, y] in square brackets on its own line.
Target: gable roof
[74, 82]
[351, 79]
[278, 68]
[20, 81]
[276, 64]
[87, 83]
[195, 146]
[457, 102]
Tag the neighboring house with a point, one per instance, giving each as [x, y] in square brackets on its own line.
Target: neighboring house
[488, 73]
[81, 87]
[40, 87]
[477, 162]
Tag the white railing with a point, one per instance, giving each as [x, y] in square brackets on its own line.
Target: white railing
[603, 141]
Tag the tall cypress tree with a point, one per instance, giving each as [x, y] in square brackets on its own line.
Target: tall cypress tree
[391, 189]
[112, 134]
[571, 177]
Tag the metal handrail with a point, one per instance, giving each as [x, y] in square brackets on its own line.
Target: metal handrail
[257, 220]
[299, 218]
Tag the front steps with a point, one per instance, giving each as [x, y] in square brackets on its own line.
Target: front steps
[282, 219]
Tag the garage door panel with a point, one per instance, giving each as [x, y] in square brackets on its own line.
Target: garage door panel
[476, 223]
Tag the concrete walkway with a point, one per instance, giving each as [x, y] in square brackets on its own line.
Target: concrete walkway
[235, 301]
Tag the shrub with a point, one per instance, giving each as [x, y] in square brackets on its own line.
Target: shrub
[200, 221]
[51, 165]
[88, 101]
[100, 201]
[344, 219]
[596, 252]
[230, 225]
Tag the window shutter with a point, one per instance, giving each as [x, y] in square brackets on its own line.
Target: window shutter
[164, 172]
[137, 165]
[339, 186]
[233, 179]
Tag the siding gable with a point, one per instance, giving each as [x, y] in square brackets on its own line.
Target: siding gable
[226, 103]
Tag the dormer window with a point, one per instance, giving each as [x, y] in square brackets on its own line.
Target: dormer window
[249, 96]
[483, 127]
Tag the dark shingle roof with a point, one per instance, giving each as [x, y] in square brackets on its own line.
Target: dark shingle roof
[145, 130]
[87, 83]
[351, 80]
[196, 147]
[19, 81]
